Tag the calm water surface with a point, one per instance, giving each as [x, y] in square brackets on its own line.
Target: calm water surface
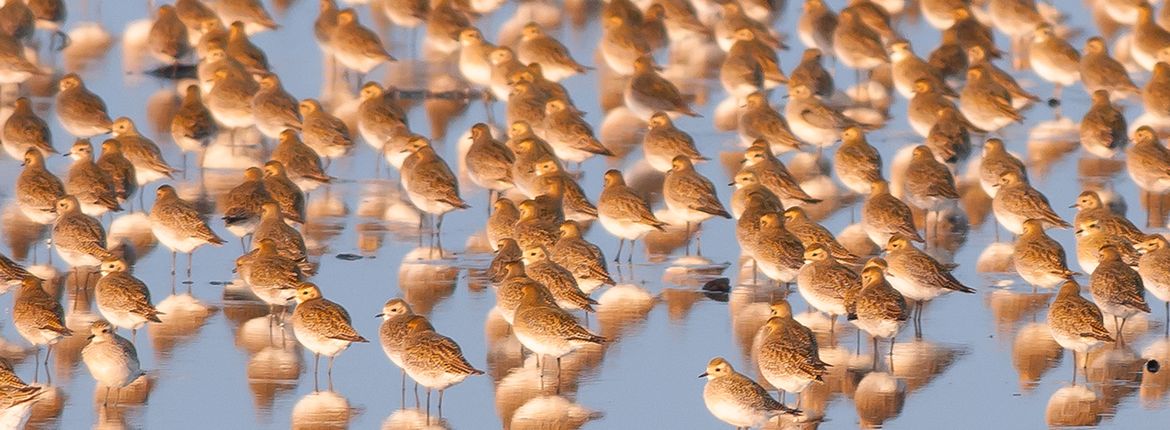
[986, 360]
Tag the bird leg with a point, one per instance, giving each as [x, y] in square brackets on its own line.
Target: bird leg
[688, 251]
[617, 258]
[316, 365]
[441, 403]
[329, 373]
[630, 254]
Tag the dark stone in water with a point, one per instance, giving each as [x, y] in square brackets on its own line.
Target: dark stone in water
[719, 285]
[1152, 366]
[1053, 103]
[349, 257]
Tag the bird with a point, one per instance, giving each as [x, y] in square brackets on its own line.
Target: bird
[11, 272]
[787, 352]
[907, 69]
[691, 195]
[1103, 128]
[812, 120]
[824, 282]
[758, 120]
[430, 185]
[883, 215]
[816, 25]
[168, 40]
[193, 127]
[272, 278]
[929, 185]
[489, 162]
[950, 137]
[396, 315]
[241, 205]
[119, 170]
[274, 109]
[289, 242]
[773, 175]
[535, 228]
[474, 63]
[797, 222]
[996, 162]
[1016, 201]
[624, 213]
[510, 292]
[810, 73]
[504, 65]
[777, 252]
[558, 280]
[501, 222]
[380, 117]
[536, 46]
[1053, 59]
[621, 44]
[81, 112]
[1117, 288]
[1148, 38]
[877, 308]
[583, 259]
[1090, 208]
[1039, 258]
[1091, 237]
[230, 99]
[300, 161]
[507, 251]
[856, 163]
[648, 92]
[1075, 322]
[736, 399]
[325, 133]
[111, 359]
[179, 226]
[37, 189]
[927, 101]
[322, 326]
[24, 130]
[1100, 71]
[38, 318]
[78, 238]
[570, 136]
[986, 104]
[1152, 266]
[548, 330]
[122, 299]
[149, 165]
[1155, 91]
[918, 276]
[287, 195]
[663, 141]
[91, 185]
[1148, 162]
[433, 360]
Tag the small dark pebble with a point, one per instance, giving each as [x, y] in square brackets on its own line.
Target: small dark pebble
[719, 285]
[1152, 366]
[1053, 103]
[349, 257]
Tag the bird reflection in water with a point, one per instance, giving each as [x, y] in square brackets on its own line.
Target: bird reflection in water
[321, 410]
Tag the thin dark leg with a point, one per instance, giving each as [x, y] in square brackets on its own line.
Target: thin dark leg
[329, 373]
[428, 406]
[1074, 366]
[316, 365]
[630, 254]
[688, 251]
[441, 403]
[617, 258]
[37, 365]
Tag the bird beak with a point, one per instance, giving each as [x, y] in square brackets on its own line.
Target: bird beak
[742, 161]
[379, 315]
[1072, 206]
[731, 184]
[89, 338]
[65, 154]
[1079, 231]
[704, 375]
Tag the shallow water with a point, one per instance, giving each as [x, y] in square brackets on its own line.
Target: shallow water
[985, 360]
